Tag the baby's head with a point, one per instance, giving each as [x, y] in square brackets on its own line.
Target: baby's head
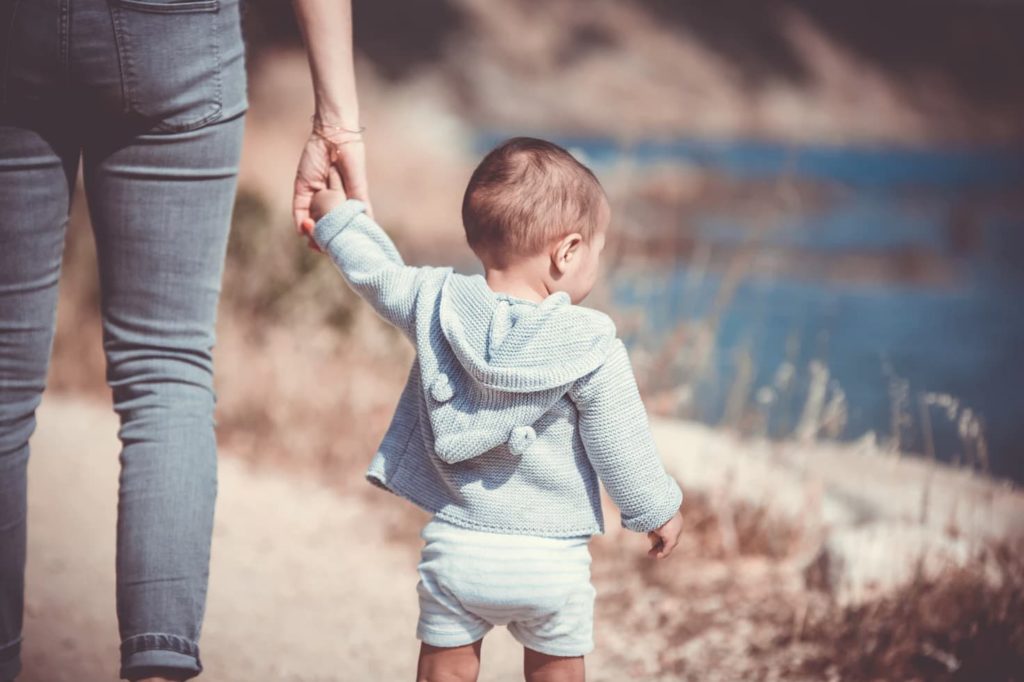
[533, 211]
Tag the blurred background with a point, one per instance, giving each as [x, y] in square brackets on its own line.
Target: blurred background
[817, 262]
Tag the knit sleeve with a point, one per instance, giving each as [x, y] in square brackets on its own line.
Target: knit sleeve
[370, 263]
[617, 437]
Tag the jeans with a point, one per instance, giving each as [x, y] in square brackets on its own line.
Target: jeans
[150, 97]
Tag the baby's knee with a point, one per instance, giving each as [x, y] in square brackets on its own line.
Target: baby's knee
[448, 676]
[458, 664]
[540, 667]
[449, 672]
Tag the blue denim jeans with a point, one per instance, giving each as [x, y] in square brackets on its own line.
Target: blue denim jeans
[150, 97]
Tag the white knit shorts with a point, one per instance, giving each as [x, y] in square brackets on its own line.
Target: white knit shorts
[539, 587]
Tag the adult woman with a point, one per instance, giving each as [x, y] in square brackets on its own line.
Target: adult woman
[150, 96]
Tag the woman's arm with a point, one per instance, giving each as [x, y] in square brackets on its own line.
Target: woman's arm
[336, 138]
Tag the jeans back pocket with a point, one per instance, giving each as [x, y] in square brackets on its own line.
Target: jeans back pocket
[170, 56]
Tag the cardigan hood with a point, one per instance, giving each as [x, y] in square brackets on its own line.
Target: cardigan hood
[513, 412]
[510, 359]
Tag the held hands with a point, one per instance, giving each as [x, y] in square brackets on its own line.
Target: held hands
[323, 201]
[344, 151]
[664, 539]
[328, 198]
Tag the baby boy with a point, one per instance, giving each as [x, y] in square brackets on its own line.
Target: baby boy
[518, 403]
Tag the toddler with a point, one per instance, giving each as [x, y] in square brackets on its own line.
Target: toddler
[518, 403]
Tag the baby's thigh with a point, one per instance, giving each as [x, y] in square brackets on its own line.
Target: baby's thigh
[565, 631]
[444, 621]
[500, 603]
[504, 579]
[527, 585]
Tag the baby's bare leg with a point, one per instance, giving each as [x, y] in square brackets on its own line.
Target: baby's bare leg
[457, 664]
[540, 667]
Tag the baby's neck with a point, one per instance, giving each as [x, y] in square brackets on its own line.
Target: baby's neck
[516, 284]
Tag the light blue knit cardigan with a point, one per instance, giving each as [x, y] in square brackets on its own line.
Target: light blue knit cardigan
[513, 410]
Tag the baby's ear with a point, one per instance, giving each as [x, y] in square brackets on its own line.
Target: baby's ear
[566, 250]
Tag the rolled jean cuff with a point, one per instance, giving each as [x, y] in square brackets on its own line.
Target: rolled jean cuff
[155, 650]
[10, 660]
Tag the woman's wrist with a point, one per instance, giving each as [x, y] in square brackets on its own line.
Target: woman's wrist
[322, 128]
[336, 135]
[340, 115]
[345, 121]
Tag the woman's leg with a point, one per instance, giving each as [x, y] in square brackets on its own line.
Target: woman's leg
[454, 664]
[37, 171]
[161, 210]
[538, 667]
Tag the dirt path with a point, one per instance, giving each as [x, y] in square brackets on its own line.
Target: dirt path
[302, 587]
[306, 585]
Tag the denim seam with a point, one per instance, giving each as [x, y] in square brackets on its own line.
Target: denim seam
[128, 75]
[13, 645]
[155, 641]
[5, 67]
[195, 6]
[123, 57]
[218, 78]
[64, 12]
[218, 95]
[218, 85]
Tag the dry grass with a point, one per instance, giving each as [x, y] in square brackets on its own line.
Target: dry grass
[711, 614]
[967, 625]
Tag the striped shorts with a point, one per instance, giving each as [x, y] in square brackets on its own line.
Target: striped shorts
[539, 587]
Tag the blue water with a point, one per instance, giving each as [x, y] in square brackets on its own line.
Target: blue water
[962, 337]
[965, 343]
[880, 167]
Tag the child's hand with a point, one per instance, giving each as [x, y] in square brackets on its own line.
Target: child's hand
[665, 539]
[325, 199]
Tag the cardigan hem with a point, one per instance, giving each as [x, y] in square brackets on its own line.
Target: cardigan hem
[376, 479]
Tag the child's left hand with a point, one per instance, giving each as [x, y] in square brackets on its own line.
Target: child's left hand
[664, 539]
[324, 200]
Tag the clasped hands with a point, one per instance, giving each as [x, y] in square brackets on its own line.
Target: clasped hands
[331, 169]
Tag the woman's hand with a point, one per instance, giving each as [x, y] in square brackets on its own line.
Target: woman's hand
[336, 139]
[346, 153]
[310, 177]
[341, 155]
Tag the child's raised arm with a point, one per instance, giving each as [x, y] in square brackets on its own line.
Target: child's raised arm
[616, 434]
[368, 259]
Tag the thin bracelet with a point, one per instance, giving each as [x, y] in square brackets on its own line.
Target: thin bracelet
[337, 143]
[319, 126]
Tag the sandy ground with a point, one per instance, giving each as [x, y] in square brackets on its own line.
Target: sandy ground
[307, 584]
[302, 586]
